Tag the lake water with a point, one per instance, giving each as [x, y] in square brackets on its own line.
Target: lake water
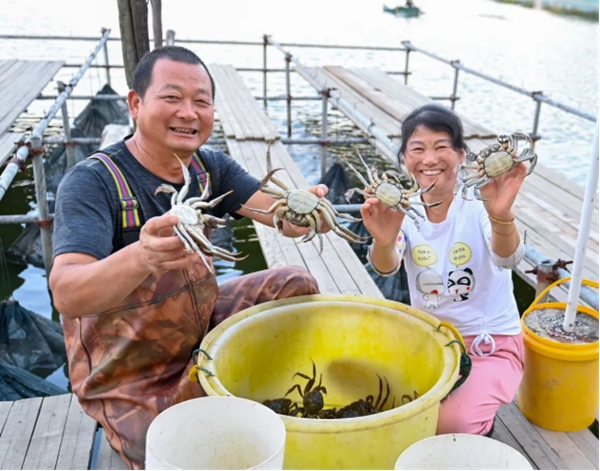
[532, 49]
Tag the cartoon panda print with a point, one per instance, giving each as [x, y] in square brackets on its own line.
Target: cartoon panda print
[460, 284]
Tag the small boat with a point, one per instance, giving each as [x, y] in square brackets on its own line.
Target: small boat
[407, 11]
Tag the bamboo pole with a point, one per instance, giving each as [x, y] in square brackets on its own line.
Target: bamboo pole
[157, 23]
[133, 22]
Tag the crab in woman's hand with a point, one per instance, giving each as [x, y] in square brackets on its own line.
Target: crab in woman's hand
[192, 221]
[303, 208]
[493, 161]
[389, 190]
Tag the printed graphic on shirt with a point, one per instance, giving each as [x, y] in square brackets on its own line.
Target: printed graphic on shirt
[461, 283]
[428, 282]
[431, 284]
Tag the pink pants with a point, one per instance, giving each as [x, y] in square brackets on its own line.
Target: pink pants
[493, 381]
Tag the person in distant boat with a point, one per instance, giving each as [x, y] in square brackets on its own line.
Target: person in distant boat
[409, 3]
[135, 305]
[463, 253]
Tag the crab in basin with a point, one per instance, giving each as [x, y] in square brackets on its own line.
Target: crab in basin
[312, 397]
[192, 221]
[493, 161]
[367, 406]
[389, 190]
[303, 208]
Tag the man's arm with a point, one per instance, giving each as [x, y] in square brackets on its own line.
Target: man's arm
[82, 285]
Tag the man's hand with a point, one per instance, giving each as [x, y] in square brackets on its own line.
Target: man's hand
[160, 249]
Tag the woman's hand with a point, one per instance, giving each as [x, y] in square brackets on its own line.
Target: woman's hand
[500, 193]
[382, 222]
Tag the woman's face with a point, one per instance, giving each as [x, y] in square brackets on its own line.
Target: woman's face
[429, 156]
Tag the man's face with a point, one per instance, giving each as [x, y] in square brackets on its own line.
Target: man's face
[176, 114]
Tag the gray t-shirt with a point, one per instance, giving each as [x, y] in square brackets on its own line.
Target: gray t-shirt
[88, 211]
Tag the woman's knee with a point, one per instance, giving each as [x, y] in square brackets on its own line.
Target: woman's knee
[453, 419]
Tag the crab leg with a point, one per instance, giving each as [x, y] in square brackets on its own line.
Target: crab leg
[358, 174]
[347, 217]
[182, 233]
[273, 207]
[201, 203]
[195, 233]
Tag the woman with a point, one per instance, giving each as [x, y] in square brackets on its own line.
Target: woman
[458, 263]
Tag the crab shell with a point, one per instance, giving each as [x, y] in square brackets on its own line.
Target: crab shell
[498, 163]
[301, 203]
[389, 194]
[186, 214]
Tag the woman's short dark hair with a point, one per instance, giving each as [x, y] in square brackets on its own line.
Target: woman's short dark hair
[142, 76]
[436, 118]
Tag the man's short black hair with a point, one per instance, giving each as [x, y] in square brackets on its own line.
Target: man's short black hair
[142, 76]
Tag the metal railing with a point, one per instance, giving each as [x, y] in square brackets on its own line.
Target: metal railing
[33, 146]
[326, 95]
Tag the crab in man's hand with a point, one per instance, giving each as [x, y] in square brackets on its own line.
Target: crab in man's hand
[492, 162]
[192, 221]
[304, 209]
[389, 190]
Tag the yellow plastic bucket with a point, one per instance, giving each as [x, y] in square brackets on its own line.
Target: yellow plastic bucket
[559, 390]
[351, 340]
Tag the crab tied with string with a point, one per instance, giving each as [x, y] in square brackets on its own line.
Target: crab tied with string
[304, 209]
[389, 190]
[192, 221]
[492, 162]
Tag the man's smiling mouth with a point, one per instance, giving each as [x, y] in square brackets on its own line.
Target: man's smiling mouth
[184, 130]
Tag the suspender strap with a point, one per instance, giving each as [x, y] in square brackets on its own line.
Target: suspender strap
[201, 170]
[129, 204]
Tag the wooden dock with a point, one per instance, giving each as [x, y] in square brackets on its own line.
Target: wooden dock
[548, 208]
[20, 83]
[55, 433]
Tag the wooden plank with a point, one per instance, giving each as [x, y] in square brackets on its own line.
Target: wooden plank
[78, 439]
[16, 433]
[5, 407]
[587, 442]
[21, 86]
[8, 145]
[529, 438]
[502, 434]
[569, 452]
[47, 437]
[107, 457]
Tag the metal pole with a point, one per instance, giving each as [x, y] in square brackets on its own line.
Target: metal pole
[170, 37]
[582, 238]
[265, 44]
[536, 122]
[406, 67]
[39, 178]
[454, 88]
[546, 267]
[35, 139]
[325, 95]
[288, 92]
[70, 151]
[21, 218]
[343, 105]
[106, 63]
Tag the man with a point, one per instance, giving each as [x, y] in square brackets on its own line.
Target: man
[135, 305]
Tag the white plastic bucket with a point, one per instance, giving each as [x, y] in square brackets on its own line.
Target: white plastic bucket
[461, 451]
[216, 433]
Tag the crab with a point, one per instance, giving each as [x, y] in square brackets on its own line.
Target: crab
[390, 191]
[312, 397]
[304, 209]
[493, 161]
[192, 222]
[282, 406]
[368, 405]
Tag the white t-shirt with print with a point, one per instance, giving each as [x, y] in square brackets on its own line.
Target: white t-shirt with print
[452, 275]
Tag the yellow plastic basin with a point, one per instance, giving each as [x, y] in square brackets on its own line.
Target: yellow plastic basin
[351, 339]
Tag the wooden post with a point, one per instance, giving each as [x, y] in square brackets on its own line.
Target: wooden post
[157, 23]
[133, 22]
